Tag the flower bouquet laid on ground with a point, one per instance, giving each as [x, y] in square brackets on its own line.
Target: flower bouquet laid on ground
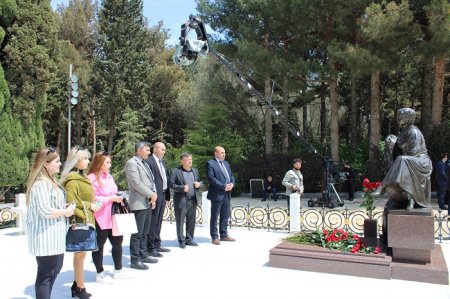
[337, 239]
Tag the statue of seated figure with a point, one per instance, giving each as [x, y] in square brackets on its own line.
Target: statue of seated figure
[407, 181]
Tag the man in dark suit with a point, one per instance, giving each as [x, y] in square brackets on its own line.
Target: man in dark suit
[185, 184]
[221, 182]
[442, 181]
[156, 165]
[142, 197]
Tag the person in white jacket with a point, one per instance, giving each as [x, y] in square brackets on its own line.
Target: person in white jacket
[293, 179]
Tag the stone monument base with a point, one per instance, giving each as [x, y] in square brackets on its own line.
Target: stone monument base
[317, 259]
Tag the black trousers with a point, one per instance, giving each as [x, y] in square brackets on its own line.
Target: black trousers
[441, 191]
[138, 241]
[116, 242]
[221, 210]
[154, 235]
[351, 193]
[187, 213]
[48, 269]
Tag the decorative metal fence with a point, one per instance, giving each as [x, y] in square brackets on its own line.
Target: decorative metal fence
[311, 219]
[7, 218]
[277, 218]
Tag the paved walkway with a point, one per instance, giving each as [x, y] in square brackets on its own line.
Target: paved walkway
[232, 270]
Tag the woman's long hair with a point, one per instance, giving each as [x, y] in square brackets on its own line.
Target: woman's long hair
[97, 163]
[75, 155]
[38, 171]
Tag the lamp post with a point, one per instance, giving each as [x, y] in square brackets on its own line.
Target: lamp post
[73, 100]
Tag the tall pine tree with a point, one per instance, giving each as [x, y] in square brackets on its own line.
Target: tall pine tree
[29, 65]
[13, 160]
[123, 63]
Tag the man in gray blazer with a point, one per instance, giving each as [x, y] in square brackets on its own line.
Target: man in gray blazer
[185, 184]
[142, 198]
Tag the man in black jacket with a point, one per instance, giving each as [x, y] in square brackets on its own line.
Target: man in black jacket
[185, 184]
[159, 171]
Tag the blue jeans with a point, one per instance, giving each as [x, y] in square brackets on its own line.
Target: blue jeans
[264, 193]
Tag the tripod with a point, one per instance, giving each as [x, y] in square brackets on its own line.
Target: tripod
[330, 178]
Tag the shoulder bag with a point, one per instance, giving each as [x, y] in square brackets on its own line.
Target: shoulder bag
[81, 236]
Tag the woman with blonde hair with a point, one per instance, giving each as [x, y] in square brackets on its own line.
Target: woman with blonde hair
[46, 219]
[105, 193]
[79, 191]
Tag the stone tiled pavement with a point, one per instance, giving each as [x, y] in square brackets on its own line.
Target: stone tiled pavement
[232, 270]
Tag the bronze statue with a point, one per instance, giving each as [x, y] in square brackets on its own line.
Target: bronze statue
[407, 181]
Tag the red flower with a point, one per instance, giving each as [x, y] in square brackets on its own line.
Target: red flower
[370, 186]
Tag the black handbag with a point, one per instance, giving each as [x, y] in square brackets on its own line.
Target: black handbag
[81, 236]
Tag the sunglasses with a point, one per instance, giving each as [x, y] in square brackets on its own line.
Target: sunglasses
[106, 154]
[51, 150]
[79, 148]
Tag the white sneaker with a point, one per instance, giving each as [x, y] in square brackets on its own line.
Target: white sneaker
[103, 278]
[121, 274]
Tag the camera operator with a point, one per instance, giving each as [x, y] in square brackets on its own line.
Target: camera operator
[293, 179]
[350, 180]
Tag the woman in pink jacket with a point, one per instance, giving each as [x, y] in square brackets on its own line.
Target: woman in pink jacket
[105, 193]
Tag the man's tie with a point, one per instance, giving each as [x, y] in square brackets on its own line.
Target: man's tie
[224, 170]
[163, 174]
[149, 171]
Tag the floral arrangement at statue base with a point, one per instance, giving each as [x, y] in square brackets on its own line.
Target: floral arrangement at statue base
[337, 239]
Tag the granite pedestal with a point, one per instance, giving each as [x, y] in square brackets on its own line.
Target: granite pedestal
[414, 255]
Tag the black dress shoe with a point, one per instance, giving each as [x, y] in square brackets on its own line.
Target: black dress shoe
[149, 260]
[162, 249]
[155, 253]
[182, 245]
[139, 266]
[191, 243]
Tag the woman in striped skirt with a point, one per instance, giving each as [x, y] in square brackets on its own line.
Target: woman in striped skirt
[46, 219]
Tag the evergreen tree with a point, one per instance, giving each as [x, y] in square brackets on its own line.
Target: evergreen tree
[131, 132]
[29, 65]
[13, 160]
[76, 45]
[388, 30]
[123, 61]
[210, 130]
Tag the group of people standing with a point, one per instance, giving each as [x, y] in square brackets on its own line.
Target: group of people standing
[85, 194]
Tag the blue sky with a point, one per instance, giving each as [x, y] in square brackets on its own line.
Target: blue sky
[173, 13]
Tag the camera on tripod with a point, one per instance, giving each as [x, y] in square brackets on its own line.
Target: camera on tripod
[331, 176]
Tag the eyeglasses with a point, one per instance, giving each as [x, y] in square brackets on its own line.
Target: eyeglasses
[51, 150]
